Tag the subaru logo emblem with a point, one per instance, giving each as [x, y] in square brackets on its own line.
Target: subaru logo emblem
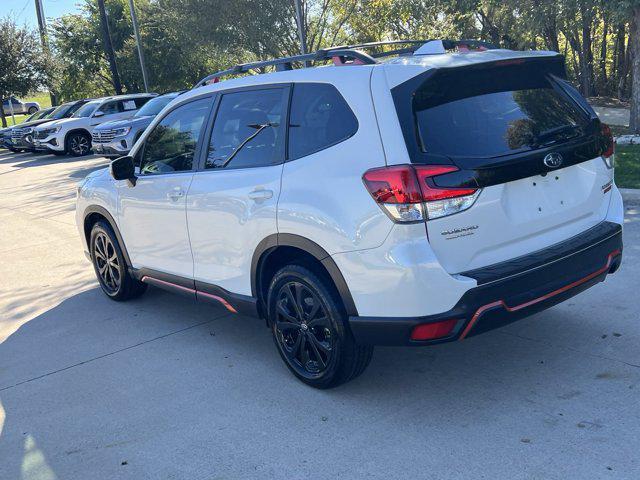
[553, 160]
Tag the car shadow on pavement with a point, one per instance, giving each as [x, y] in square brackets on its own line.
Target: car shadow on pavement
[89, 378]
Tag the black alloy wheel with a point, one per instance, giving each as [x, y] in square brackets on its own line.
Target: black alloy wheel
[310, 328]
[303, 330]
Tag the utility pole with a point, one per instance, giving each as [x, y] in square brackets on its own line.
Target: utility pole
[42, 25]
[302, 35]
[108, 47]
[136, 31]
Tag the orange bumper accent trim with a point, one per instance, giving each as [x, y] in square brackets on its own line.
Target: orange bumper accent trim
[501, 303]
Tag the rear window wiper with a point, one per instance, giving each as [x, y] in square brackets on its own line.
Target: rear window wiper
[545, 137]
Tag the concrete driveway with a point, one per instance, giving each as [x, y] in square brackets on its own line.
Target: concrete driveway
[165, 388]
[613, 116]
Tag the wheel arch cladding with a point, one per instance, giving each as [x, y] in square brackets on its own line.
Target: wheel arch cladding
[277, 250]
[76, 130]
[94, 214]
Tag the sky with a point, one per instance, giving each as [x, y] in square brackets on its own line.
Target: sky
[24, 11]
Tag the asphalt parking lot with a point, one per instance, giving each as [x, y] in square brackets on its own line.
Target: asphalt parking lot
[166, 388]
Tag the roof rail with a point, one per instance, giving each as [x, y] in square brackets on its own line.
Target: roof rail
[342, 55]
[286, 63]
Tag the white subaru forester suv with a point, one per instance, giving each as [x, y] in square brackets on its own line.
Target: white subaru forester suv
[414, 196]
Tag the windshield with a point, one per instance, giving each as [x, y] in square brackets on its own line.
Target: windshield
[483, 114]
[43, 114]
[153, 106]
[60, 112]
[86, 110]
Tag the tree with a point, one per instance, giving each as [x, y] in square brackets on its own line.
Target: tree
[629, 10]
[23, 65]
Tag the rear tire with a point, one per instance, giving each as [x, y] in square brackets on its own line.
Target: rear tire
[78, 144]
[310, 329]
[32, 110]
[110, 266]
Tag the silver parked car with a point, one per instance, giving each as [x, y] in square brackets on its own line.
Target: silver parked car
[115, 139]
[19, 107]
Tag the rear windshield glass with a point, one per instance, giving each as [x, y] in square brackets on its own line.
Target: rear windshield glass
[493, 112]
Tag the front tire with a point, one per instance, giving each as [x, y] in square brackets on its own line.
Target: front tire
[110, 266]
[78, 144]
[310, 329]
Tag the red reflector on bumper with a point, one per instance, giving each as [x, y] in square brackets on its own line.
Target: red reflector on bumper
[431, 331]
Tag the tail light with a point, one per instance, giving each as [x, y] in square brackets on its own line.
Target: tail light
[408, 193]
[610, 146]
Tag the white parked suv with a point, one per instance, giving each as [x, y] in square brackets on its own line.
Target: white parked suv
[73, 135]
[387, 200]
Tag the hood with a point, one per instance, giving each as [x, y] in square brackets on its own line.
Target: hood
[97, 173]
[35, 123]
[129, 122]
[62, 121]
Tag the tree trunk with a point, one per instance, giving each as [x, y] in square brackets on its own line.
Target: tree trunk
[603, 58]
[625, 81]
[4, 120]
[634, 46]
[586, 15]
[551, 35]
[619, 64]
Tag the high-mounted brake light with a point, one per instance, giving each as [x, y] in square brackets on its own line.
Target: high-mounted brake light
[409, 194]
[610, 145]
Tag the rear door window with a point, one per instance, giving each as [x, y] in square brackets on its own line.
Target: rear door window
[127, 105]
[489, 113]
[110, 108]
[320, 118]
[248, 130]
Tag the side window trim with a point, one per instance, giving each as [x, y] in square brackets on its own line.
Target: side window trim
[206, 140]
[199, 147]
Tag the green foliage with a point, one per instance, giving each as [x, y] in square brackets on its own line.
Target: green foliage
[628, 166]
[23, 65]
[184, 40]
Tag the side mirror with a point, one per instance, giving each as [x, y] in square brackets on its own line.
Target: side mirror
[123, 168]
[98, 114]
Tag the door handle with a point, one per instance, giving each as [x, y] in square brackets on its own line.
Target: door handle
[259, 195]
[176, 194]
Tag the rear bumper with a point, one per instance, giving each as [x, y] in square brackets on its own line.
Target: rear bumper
[511, 290]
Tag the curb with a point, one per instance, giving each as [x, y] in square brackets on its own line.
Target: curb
[630, 194]
[627, 140]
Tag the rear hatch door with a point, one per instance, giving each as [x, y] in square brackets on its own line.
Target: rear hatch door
[523, 135]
